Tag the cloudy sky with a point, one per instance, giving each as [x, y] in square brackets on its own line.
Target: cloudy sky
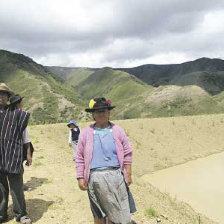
[116, 33]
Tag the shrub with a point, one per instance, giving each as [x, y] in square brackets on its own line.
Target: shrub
[151, 212]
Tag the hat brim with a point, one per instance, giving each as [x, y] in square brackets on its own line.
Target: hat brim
[99, 108]
[17, 100]
[71, 124]
[10, 93]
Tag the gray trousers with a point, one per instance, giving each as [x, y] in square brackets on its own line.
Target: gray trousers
[108, 196]
[15, 183]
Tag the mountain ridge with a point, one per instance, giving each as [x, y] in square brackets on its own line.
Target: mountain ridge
[57, 94]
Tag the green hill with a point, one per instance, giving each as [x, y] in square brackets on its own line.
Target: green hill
[56, 94]
[212, 82]
[112, 83]
[121, 87]
[47, 99]
[204, 72]
[134, 98]
[73, 76]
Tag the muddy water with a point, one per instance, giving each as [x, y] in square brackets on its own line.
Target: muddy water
[200, 183]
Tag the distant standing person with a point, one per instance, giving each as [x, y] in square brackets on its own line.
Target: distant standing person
[73, 136]
[103, 166]
[12, 123]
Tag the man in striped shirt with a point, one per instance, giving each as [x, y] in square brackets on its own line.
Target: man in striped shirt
[12, 125]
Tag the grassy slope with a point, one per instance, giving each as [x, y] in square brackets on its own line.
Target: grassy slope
[44, 97]
[72, 76]
[111, 83]
[158, 75]
[77, 76]
[52, 100]
[177, 101]
[136, 99]
[211, 82]
[47, 99]
[122, 88]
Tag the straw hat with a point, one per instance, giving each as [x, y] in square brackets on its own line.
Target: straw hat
[4, 88]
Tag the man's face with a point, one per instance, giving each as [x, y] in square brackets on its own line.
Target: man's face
[101, 116]
[3, 98]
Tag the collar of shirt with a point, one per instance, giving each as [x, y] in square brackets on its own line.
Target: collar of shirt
[102, 130]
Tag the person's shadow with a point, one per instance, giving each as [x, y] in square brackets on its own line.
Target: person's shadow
[35, 208]
[35, 182]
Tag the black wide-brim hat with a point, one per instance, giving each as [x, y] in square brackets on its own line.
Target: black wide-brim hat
[99, 104]
[15, 99]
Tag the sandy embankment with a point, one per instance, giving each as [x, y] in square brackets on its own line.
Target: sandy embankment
[158, 143]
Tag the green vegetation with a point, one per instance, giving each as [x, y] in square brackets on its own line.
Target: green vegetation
[37, 163]
[122, 88]
[47, 181]
[72, 76]
[151, 212]
[57, 94]
[47, 99]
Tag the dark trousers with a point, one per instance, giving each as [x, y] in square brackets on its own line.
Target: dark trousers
[15, 182]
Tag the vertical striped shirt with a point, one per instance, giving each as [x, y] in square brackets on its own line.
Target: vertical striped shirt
[12, 125]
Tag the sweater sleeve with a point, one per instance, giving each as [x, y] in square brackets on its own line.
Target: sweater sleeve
[80, 162]
[128, 150]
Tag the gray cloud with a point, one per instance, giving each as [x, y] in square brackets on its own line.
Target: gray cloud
[114, 33]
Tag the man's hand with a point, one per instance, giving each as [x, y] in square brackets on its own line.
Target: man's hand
[82, 184]
[29, 159]
[29, 156]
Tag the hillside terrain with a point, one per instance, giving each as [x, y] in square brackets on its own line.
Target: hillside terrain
[73, 76]
[155, 90]
[56, 94]
[46, 98]
[158, 143]
[204, 72]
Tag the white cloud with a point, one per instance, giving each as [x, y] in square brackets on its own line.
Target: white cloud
[99, 33]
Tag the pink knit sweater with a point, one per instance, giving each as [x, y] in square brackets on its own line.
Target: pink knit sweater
[85, 150]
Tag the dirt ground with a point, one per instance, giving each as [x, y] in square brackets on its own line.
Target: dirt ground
[158, 143]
